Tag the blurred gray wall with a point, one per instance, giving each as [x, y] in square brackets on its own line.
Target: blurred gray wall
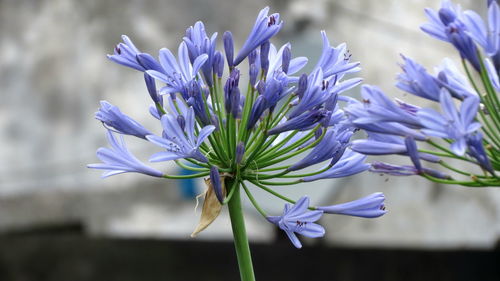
[54, 72]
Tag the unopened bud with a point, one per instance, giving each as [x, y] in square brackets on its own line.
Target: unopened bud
[240, 151]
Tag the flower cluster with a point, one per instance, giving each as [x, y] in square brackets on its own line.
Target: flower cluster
[466, 126]
[283, 123]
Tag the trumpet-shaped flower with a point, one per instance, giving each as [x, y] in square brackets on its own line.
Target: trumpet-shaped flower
[415, 80]
[448, 25]
[349, 163]
[265, 27]
[302, 122]
[451, 124]
[492, 74]
[296, 219]
[404, 170]
[180, 142]
[178, 74]
[489, 38]
[112, 117]
[127, 54]
[371, 206]
[118, 160]
[198, 43]
[332, 143]
[476, 150]
[449, 77]
[381, 108]
[335, 60]
[382, 144]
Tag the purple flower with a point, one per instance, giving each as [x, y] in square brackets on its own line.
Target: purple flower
[277, 65]
[179, 142]
[128, 55]
[489, 38]
[265, 27]
[302, 122]
[296, 219]
[415, 80]
[315, 94]
[371, 206]
[232, 93]
[382, 144]
[112, 117]
[381, 108]
[227, 38]
[451, 124]
[335, 60]
[404, 170]
[178, 75]
[476, 150]
[258, 108]
[264, 56]
[448, 25]
[216, 183]
[450, 78]
[151, 86]
[360, 117]
[125, 54]
[119, 160]
[240, 152]
[492, 74]
[198, 43]
[332, 144]
[349, 164]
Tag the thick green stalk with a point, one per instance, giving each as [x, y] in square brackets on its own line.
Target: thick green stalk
[240, 236]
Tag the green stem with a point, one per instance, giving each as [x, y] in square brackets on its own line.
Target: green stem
[186, 176]
[240, 237]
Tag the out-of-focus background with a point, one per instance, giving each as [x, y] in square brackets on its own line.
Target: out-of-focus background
[60, 221]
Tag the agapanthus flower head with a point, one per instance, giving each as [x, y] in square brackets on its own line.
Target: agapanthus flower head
[397, 128]
[234, 133]
[297, 219]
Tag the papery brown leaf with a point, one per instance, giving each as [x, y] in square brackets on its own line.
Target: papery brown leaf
[211, 207]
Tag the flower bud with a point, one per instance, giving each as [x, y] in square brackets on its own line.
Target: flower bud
[286, 57]
[264, 56]
[216, 184]
[151, 86]
[235, 102]
[240, 151]
[229, 48]
[182, 121]
[254, 72]
[252, 57]
[218, 64]
[302, 85]
[411, 147]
